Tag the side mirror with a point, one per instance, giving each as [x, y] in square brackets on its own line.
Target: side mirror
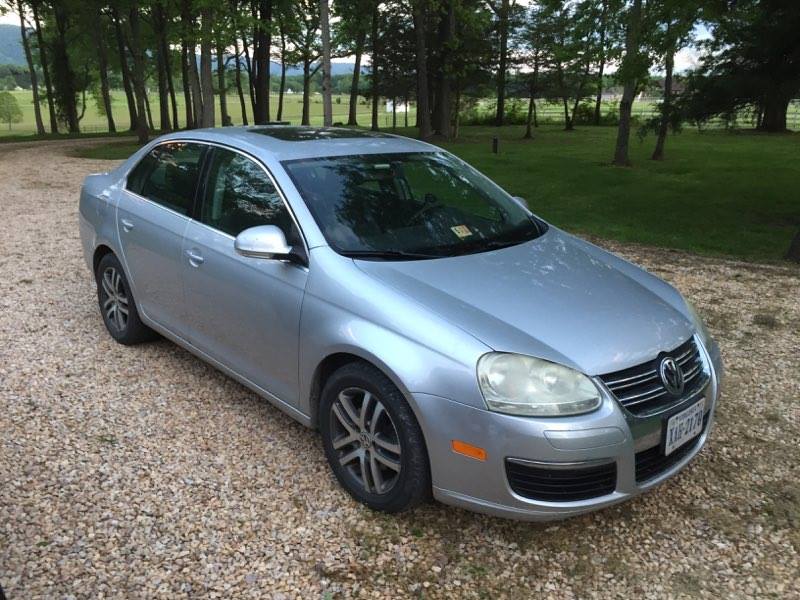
[263, 241]
[521, 201]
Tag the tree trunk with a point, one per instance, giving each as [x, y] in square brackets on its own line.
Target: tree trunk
[793, 253]
[621, 158]
[423, 110]
[165, 52]
[37, 108]
[352, 117]
[45, 67]
[239, 89]
[602, 59]
[262, 43]
[224, 117]
[534, 83]
[775, 108]
[306, 88]
[443, 118]
[193, 77]
[325, 33]
[206, 74]
[501, 70]
[251, 78]
[63, 70]
[374, 40]
[456, 110]
[666, 106]
[161, 65]
[125, 70]
[282, 85]
[142, 131]
[102, 64]
[187, 90]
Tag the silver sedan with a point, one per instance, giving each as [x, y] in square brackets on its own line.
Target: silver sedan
[445, 340]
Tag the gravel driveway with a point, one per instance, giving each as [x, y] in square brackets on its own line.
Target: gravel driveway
[142, 472]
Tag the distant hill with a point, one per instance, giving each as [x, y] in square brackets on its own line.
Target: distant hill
[11, 52]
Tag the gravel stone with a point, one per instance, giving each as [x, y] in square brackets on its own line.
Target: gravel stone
[144, 473]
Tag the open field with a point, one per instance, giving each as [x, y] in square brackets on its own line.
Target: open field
[711, 195]
[94, 122]
[142, 472]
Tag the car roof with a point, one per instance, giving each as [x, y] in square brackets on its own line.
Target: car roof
[286, 142]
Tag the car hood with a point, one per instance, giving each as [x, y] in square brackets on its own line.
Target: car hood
[555, 297]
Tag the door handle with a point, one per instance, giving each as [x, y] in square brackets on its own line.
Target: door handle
[126, 224]
[195, 258]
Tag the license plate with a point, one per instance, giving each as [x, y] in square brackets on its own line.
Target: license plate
[684, 426]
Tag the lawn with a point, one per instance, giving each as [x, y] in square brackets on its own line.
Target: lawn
[717, 193]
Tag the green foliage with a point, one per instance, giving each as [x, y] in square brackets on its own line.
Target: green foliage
[9, 109]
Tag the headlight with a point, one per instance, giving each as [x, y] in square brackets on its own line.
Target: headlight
[522, 385]
[705, 336]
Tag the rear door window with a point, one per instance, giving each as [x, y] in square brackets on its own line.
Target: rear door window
[168, 175]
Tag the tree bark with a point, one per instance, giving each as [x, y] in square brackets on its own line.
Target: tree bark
[161, 66]
[63, 69]
[224, 117]
[532, 100]
[282, 85]
[45, 67]
[601, 68]
[423, 109]
[325, 33]
[502, 16]
[443, 108]
[262, 44]
[125, 70]
[666, 106]
[142, 131]
[306, 88]
[187, 90]
[251, 76]
[37, 108]
[621, 158]
[102, 63]
[239, 89]
[775, 108]
[374, 40]
[206, 74]
[352, 117]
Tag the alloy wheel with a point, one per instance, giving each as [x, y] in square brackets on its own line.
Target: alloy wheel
[115, 299]
[365, 440]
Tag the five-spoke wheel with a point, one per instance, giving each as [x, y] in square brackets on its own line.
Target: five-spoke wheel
[117, 304]
[372, 439]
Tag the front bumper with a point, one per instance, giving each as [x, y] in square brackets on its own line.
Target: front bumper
[609, 434]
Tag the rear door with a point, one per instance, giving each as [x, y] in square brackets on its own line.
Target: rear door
[244, 312]
[152, 216]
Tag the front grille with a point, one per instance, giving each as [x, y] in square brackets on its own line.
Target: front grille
[561, 484]
[651, 463]
[640, 390]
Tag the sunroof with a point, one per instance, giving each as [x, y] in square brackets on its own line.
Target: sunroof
[307, 134]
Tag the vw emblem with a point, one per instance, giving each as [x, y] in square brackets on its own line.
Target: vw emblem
[671, 375]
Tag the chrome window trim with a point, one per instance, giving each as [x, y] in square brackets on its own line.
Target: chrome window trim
[247, 155]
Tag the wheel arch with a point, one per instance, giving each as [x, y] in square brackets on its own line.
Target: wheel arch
[99, 252]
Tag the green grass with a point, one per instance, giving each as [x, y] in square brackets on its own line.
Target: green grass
[93, 122]
[717, 193]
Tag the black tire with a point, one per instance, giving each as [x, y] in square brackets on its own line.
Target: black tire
[412, 484]
[130, 329]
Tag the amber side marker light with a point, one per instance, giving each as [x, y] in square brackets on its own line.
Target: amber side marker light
[466, 449]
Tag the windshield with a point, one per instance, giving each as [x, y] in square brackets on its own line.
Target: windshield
[406, 206]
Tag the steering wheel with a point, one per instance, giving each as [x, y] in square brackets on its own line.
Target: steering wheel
[430, 203]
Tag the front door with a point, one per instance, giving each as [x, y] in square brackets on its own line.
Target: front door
[152, 216]
[243, 312]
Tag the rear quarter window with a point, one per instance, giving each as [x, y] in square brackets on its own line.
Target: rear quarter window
[168, 175]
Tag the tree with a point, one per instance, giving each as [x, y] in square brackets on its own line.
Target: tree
[306, 46]
[350, 39]
[502, 8]
[9, 109]
[37, 109]
[631, 72]
[752, 63]
[262, 42]
[420, 11]
[45, 66]
[325, 34]
[607, 45]
[64, 76]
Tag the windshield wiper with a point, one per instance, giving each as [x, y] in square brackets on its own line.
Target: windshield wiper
[390, 254]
